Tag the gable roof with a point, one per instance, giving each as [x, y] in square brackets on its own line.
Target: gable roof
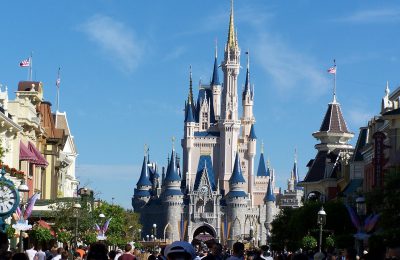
[205, 162]
[361, 141]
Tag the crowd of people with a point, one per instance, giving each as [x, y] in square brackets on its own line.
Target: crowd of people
[178, 250]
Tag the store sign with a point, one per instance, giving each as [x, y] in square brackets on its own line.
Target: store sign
[379, 157]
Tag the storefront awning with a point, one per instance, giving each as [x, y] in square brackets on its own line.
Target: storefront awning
[40, 160]
[25, 154]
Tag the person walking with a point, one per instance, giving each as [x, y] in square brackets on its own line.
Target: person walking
[127, 255]
[215, 254]
[238, 251]
[31, 252]
[40, 255]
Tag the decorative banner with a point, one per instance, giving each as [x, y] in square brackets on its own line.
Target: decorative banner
[22, 219]
[182, 226]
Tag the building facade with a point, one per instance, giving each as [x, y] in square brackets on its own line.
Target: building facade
[33, 144]
[215, 191]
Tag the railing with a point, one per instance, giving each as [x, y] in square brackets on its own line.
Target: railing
[204, 215]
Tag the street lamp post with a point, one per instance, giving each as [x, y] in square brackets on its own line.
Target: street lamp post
[76, 207]
[147, 236]
[154, 229]
[22, 188]
[321, 222]
[361, 211]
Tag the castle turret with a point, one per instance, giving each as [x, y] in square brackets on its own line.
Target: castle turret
[143, 186]
[229, 124]
[216, 88]
[270, 206]
[172, 196]
[247, 103]
[334, 137]
[237, 200]
[188, 139]
[251, 152]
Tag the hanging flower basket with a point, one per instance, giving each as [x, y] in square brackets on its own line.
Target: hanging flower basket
[13, 172]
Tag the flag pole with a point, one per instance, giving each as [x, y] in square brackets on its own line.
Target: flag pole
[334, 82]
[30, 67]
[58, 89]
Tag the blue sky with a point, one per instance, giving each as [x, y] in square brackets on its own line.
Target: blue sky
[124, 71]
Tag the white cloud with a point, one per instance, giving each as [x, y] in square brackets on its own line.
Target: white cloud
[290, 68]
[116, 40]
[175, 53]
[374, 15]
[358, 117]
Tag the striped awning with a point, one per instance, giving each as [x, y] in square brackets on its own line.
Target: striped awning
[40, 160]
[25, 154]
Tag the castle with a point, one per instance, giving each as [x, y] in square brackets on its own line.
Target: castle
[216, 191]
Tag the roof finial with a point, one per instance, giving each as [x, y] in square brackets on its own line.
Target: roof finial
[173, 143]
[216, 48]
[262, 146]
[295, 155]
[248, 59]
[231, 32]
[387, 90]
[146, 149]
[190, 97]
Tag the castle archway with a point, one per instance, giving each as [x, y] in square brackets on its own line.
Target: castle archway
[203, 234]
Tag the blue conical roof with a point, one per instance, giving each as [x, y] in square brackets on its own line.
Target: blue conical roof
[252, 133]
[237, 176]
[262, 170]
[144, 179]
[189, 114]
[269, 196]
[172, 173]
[247, 82]
[215, 77]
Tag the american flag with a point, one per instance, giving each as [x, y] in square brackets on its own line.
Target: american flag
[25, 63]
[332, 70]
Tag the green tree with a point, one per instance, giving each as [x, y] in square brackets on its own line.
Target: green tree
[386, 201]
[292, 225]
[122, 225]
[309, 242]
[40, 234]
[120, 229]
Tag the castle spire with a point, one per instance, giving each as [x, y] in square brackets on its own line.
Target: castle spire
[215, 77]
[231, 33]
[190, 96]
[247, 86]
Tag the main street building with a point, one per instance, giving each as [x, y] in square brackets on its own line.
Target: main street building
[215, 191]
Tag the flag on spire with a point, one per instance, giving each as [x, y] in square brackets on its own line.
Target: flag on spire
[332, 70]
[25, 63]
